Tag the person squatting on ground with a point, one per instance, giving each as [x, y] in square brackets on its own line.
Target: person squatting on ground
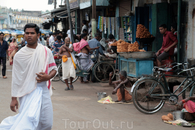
[189, 105]
[33, 66]
[120, 87]
[68, 65]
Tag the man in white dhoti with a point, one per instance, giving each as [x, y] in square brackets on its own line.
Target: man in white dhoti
[68, 65]
[33, 67]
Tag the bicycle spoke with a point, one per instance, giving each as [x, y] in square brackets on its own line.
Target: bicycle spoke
[99, 67]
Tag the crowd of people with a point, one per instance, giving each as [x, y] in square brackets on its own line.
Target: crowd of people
[60, 44]
[31, 83]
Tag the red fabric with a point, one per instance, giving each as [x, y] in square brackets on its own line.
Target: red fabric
[46, 71]
[80, 45]
[52, 64]
[190, 106]
[168, 40]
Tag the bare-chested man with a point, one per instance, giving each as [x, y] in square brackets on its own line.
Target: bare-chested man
[68, 70]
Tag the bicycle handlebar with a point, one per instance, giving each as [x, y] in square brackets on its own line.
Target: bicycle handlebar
[190, 69]
[168, 68]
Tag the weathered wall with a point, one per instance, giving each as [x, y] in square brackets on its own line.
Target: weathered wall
[184, 31]
[124, 7]
[191, 30]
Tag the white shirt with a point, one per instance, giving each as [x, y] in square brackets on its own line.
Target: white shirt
[41, 41]
[51, 40]
[84, 27]
[69, 34]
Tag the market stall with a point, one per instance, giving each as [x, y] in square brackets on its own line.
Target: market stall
[133, 57]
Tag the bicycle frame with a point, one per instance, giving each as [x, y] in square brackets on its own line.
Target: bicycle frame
[167, 89]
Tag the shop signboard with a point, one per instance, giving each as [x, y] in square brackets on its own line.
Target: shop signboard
[102, 3]
[3, 16]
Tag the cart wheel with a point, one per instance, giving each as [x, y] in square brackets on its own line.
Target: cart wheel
[101, 71]
[60, 75]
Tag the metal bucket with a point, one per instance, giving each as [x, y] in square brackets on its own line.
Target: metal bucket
[101, 95]
[177, 115]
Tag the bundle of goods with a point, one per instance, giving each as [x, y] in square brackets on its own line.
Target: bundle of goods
[133, 47]
[122, 46]
[142, 32]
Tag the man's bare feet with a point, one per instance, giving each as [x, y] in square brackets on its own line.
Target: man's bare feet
[4, 77]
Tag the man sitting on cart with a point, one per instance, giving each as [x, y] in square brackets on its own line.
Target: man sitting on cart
[168, 45]
[85, 62]
[120, 87]
[68, 65]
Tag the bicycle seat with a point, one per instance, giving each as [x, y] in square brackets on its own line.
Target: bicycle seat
[165, 69]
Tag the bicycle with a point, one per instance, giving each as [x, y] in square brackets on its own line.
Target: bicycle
[150, 92]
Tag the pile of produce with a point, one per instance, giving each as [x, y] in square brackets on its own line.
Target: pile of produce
[168, 117]
[122, 46]
[133, 47]
[142, 32]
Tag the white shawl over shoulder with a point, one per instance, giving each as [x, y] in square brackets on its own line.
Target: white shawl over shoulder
[27, 62]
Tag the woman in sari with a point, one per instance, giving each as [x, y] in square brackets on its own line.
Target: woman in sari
[13, 48]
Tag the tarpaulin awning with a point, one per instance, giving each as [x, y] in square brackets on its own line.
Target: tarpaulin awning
[63, 14]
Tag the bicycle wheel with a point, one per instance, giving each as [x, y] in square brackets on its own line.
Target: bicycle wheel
[192, 92]
[142, 96]
[101, 71]
[60, 75]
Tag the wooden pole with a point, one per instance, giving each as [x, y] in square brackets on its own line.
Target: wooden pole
[94, 9]
[178, 29]
[70, 21]
[93, 18]
[55, 4]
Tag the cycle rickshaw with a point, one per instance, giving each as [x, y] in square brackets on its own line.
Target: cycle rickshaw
[100, 70]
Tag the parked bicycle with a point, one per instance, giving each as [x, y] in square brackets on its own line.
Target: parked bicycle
[150, 92]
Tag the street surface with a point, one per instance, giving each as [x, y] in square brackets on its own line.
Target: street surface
[79, 109]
